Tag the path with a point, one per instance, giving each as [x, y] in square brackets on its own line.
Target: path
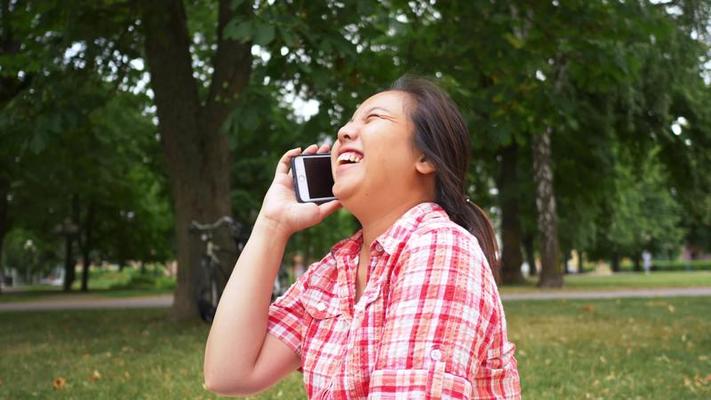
[161, 301]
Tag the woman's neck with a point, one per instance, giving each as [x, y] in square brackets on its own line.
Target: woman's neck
[376, 223]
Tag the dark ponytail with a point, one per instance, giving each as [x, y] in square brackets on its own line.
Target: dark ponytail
[442, 135]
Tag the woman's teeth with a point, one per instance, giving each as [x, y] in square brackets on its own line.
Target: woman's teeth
[349, 157]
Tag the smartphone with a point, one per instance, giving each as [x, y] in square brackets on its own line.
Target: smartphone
[313, 180]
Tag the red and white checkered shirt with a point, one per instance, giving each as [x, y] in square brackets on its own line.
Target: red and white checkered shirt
[428, 325]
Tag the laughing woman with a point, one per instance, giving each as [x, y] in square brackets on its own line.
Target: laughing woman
[407, 307]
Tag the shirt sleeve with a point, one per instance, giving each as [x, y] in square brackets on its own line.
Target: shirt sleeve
[286, 316]
[441, 322]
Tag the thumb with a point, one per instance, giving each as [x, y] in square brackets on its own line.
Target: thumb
[329, 208]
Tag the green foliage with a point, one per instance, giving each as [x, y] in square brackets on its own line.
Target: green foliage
[640, 213]
[673, 265]
[610, 78]
[139, 280]
[27, 253]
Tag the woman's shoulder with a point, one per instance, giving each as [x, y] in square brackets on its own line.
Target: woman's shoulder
[448, 241]
[446, 232]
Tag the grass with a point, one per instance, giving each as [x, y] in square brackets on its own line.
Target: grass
[631, 349]
[620, 281]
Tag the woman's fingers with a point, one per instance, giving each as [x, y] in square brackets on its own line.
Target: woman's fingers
[329, 208]
[311, 149]
[284, 163]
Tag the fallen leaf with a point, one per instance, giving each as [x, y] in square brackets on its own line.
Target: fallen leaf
[95, 376]
[671, 308]
[708, 378]
[127, 374]
[588, 308]
[59, 383]
[603, 360]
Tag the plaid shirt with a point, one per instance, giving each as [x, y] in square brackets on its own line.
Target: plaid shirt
[428, 325]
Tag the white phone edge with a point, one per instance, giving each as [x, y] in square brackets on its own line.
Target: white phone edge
[300, 173]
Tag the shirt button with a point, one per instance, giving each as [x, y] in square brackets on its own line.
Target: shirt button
[321, 307]
[378, 247]
[436, 355]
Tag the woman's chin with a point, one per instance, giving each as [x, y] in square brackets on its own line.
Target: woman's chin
[340, 192]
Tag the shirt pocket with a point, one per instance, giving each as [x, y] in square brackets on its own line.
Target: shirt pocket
[322, 341]
[431, 384]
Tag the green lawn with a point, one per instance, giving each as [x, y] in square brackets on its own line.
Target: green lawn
[632, 348]
[621, 280]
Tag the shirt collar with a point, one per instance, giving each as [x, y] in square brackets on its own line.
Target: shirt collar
[398, 232]
[401, 230]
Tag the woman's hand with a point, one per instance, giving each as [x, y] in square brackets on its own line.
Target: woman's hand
[280, 207]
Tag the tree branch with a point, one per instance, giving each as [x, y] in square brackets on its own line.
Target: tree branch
[232, 65]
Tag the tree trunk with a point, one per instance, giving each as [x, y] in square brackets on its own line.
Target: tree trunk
[637, 263]
[196, 151]
[511, 257]
[545, 204]
[4, 225]
[86, 246]
[615, 262]
[581, 262]
[566, 259]
[530, 254]
[69, 236]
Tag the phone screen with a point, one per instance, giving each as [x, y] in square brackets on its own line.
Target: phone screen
[318, 176]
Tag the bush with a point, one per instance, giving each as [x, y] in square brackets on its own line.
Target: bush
[145, 281]
[681, 265]
[672, 265]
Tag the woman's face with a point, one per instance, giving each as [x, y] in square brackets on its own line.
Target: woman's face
[373, 160]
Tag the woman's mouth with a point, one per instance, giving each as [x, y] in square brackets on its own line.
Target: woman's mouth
[349, 157]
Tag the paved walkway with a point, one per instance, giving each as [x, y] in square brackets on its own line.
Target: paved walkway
[163, 301]
[160, 301]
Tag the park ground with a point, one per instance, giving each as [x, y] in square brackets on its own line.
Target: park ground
[643, 348]
[129, 283]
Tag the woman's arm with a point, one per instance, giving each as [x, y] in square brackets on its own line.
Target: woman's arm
[240, 357]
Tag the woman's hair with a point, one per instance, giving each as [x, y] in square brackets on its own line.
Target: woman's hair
[442, 135]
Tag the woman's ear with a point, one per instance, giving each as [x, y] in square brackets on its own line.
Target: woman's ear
[424, 165]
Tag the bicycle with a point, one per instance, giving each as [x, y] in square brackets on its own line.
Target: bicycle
[211, 276]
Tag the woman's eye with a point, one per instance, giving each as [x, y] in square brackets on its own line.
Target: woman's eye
[370, 116]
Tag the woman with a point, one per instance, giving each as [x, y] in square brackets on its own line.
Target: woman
[405, 308]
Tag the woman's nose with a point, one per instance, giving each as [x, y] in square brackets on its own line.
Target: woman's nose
[347, 132]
